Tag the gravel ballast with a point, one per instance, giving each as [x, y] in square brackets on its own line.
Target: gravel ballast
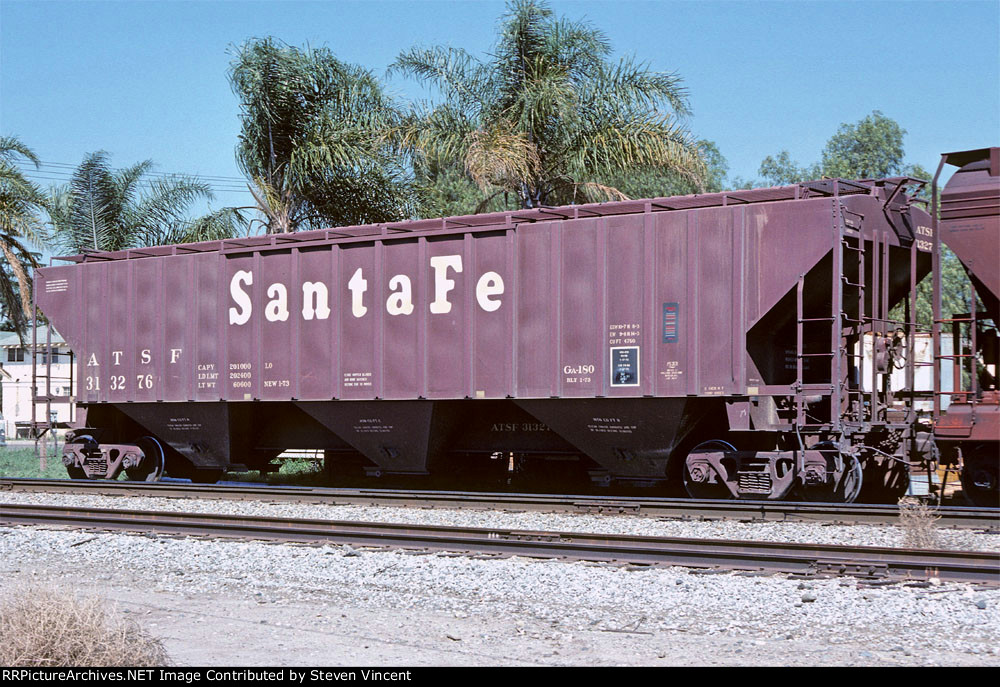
[811, 533]
[249, 603]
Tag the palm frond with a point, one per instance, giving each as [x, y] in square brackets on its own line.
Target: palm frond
[612, 142]
[10, 301]
[501, 157]
[455, 72]
[594, 192]
[165, 203]
[635, 85]
[21, 205]
[441, 133]
[14, 182]
[224, 223]
[16, 261]
[101, 209]
[311, 124]
[554, 117]
[579, 47]
[128, 183]
[11, 146]
[279, 208]
[93, 193]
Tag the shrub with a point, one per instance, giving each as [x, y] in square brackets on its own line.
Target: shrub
[46, 627]
[918, 522]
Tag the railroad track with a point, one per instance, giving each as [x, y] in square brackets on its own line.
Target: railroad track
[874, 563]
[949, 516]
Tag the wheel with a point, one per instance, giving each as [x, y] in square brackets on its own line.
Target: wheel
[88, 442]
[702, 479]
[981, 477]
[844, 490]
[151, 469]
[853, 479]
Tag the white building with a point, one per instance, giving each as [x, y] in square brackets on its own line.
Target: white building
[15, 381]
[923, 355]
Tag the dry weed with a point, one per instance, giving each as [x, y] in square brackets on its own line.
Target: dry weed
[918, 521]
[47, 627]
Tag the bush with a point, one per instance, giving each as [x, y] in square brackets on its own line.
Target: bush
[45, 627]
[919, 524]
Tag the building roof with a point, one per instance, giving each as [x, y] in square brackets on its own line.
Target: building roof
[10, 340]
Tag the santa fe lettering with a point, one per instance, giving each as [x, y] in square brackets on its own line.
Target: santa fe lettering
[316, 295]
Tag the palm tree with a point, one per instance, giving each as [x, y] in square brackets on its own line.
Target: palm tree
[316, 141]
[548, 118]
[101, 209]
[21, 201]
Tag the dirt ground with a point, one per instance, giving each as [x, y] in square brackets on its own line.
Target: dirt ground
[313, 628]
[212, 630]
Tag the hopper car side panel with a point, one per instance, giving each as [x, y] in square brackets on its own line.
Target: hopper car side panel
[662, 301]
[315, 343]
[174, 303]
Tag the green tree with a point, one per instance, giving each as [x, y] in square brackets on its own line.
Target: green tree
[871, 148]
[317, 139]
[781, 170]
[101, 209]
[653, 182]
[21, 205]
[955, 291]
[548, 119]
[444, 190]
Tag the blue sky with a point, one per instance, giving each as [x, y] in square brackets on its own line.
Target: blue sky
[148, 79]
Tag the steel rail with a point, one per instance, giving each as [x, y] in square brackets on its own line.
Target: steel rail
[950, 516]
[776, 557]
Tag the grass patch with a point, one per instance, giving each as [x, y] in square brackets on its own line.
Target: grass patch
[47, 627]
[296, 471]
[21, 461]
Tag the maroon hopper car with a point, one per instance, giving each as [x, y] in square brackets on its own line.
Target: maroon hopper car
[713, 341]
[968, 434]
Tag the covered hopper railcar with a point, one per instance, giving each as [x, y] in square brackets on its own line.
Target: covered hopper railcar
[968, 432]
[714, 341]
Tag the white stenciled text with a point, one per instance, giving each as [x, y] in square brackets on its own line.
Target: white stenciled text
[316, 295]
